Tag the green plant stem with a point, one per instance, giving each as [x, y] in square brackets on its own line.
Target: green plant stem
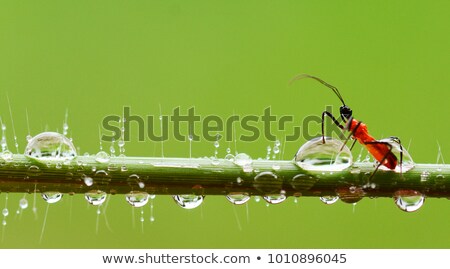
[202, 176]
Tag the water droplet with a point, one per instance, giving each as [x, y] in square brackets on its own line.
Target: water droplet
[52, 197]
[228, 150]
[88, 181]
[276, 150]
[50, 146]
[276, 167]
[407, 163]
[409, 200]
[152, 219]
[238, 198]
[34, 170]
[5, 212]
[29, 137]
[350, 195]
[102, 157]
[329, 199]
[314, 155]
[95, 197]
[229, 157]
[239, 180]
[275, 198]
[101, 177]
[137, 198]
[242, 159]
[268, 182]
[141, 185]
[7, 155]
[215, 161]
[277, 143]
[188, 201]
[58, 165]
[123, 168]
[216, 144]
[23, 203]
[4, 222]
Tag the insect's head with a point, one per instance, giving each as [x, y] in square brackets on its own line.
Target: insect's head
[346, 112]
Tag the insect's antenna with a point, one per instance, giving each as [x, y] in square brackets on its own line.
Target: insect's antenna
[334, 89]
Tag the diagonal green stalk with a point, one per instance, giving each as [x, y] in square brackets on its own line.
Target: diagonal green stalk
[203, 176]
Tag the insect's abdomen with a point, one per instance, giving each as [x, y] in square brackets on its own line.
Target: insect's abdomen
[379, 152]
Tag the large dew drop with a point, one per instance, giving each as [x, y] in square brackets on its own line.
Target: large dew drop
[407, 161]
[50, 146]
[188, 201]
[137, 198]
[238, 198]
[409, 200]
[52, 197]
[315, 155]
[95, 197]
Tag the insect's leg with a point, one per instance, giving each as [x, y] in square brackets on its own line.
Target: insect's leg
[397, 140]
[384, 157]
[326, 113]
[352, 132]
[353, 144]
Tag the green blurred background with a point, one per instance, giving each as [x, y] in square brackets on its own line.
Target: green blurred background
[389, 59]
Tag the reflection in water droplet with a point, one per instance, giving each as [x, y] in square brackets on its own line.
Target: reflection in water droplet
[328, 200]
[50, 146]
[188, 201]
[52, 197]
[407, 162]
[95, 197]
[409, 200]
[314, 155]
[275, 198]
[238, 198]
[5, 212]
[102, 157]
[137, 198]
[23, 203]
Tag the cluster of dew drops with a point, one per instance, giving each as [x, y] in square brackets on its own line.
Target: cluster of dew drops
[57, 147]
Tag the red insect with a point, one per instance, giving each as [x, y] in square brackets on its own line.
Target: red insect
[380, 150]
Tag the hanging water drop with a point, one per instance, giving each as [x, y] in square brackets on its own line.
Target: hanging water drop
[5, 212]
[328, 200]
[50, 146]
[52, 197]
[137, 198]
[95, 197]
[238, 198]
[275, 198]
[409, 200]
[188, 201]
